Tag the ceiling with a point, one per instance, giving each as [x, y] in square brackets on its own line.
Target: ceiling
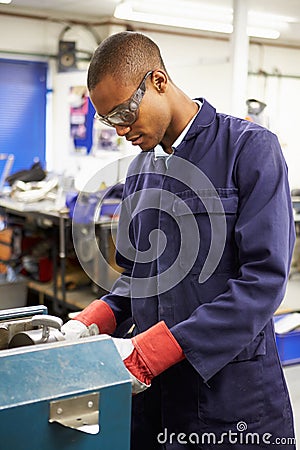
[97, 10]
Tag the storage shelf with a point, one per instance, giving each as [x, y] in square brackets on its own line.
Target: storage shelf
[80, 298]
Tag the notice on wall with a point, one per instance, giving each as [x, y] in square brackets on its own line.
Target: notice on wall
[81, 119]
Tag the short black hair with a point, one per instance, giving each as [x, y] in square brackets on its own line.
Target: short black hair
[127, 55]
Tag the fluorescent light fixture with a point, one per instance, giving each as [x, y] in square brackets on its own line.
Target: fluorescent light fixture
[124, 11]
[267, 33]
[192, 15]
[174, 13]
[6, 2]
[272, 20]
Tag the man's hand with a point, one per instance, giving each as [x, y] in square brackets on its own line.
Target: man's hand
[125, 348]
[96, 318]
[148, 354]
[73, 329]
[100, 313]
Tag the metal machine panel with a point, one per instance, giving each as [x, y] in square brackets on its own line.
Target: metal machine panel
[37, 380]
[18, 313]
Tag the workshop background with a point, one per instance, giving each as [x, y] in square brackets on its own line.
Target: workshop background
[243, 56]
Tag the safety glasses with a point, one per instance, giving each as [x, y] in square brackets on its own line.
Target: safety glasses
[126, 113]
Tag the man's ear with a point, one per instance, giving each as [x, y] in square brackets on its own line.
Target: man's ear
[160, 80]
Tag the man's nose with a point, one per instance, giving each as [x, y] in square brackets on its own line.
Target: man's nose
[122, 130]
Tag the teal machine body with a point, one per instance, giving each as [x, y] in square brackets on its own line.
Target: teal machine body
[63, 395]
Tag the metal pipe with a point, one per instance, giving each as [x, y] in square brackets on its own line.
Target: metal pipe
[262, 73]
[43, 55]
[239, 57]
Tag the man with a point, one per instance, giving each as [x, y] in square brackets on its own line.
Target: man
[205, 240]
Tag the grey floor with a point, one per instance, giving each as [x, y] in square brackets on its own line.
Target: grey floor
[292, 373]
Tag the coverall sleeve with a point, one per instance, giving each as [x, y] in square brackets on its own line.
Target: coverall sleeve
[119, 298]
[218, 331]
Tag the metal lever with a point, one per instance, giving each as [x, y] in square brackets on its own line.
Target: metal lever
[43, 328]
[46, 321]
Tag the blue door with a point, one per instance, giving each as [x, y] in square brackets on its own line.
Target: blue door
[23, 89]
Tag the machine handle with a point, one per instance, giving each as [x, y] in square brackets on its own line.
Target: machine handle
[45, 320]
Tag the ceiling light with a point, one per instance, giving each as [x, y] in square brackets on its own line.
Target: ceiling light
[171, 13]
[6, 2]
[199, 17]
[269, 19]
[124, 11]
[266, 33]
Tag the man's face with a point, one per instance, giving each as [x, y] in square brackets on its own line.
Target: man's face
[153, 115]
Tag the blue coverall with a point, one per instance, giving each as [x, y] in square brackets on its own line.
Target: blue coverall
[231, 378]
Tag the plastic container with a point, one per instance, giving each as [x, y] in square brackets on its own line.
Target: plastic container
[288, 345]
[13, 294]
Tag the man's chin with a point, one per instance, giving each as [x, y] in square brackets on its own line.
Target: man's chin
[146, 148]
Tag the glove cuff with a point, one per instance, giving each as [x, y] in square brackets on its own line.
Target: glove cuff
[158, 348]
[100, 313]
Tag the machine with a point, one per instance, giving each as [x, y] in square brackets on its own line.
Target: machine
[57, 394]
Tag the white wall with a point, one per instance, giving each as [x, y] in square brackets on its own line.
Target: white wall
[282, 95]
[200, 67]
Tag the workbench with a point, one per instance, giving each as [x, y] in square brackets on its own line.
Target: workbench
[59, 225]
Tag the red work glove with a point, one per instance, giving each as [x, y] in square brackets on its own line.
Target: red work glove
[148, 354]
[97, 313]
